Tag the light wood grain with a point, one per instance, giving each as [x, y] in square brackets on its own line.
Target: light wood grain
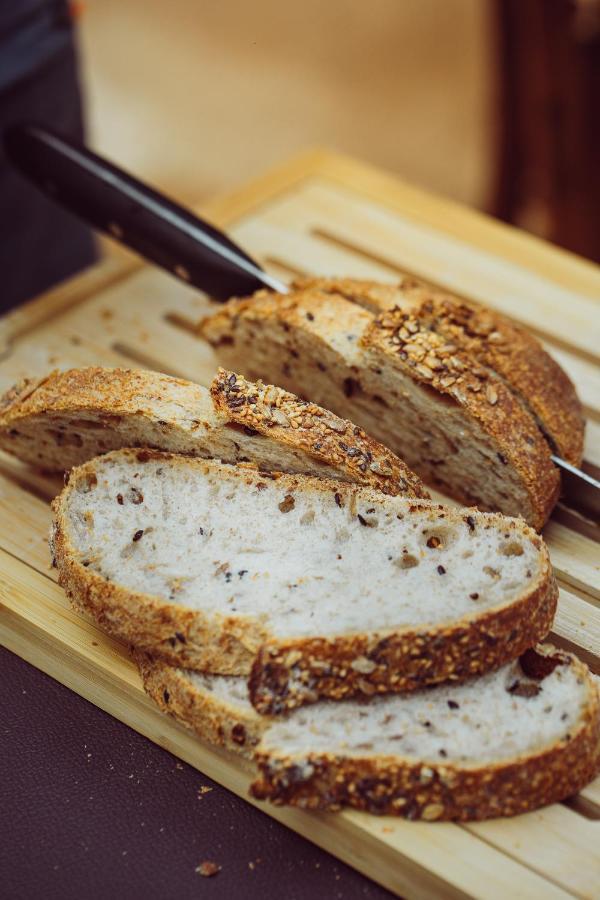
[322, 214]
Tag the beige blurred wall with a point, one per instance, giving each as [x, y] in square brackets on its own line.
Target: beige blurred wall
[199, 95]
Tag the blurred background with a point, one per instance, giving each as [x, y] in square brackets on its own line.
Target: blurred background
[491, 102]
[202, 94]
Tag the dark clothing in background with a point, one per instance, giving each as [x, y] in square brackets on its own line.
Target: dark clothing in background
[40, 244]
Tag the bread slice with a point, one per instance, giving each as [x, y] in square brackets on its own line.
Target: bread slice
[69, 417]
[510, 741]
[321, 588]
[467, 399]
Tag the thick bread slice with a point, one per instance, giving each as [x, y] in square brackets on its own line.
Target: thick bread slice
[69, 417]
[330, 589]
[512, 740]
[508, 742]
[460, 393]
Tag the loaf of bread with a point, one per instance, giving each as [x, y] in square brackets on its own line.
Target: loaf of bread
[505, 743]
[316, 587]
[69, 417]
[470, 401]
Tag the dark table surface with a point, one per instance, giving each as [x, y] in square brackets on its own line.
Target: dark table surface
[91, 809]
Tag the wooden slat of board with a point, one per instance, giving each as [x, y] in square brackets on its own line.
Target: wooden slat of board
[479, 230]
[576, 559]
[592, 792]
[413, 859]
[582, 373]
[556, 841]
[36, 312]
[591, 449]
[577, 625]
[131, 319]
[24, 523]
[51, 349]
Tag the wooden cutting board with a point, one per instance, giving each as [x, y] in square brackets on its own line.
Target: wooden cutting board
[320, 214]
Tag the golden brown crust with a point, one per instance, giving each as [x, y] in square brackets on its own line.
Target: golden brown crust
[432, 791]
[431, 360]
[185, 417]
[309, 310]
[300, 424]
[492, 339]
[287, 674]
[117, 391]
[17, 395]
[210, 717]
[229, 645]
[509, 384]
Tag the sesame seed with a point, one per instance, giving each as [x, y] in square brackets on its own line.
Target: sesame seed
[491, 395]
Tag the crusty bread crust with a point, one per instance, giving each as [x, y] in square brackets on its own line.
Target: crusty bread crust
[518, 440]
[495, 341]
[187, 418]
[288, 673]
[211, 718]
[114, 391]
[431, 791]
[499, 374]
[296, 423]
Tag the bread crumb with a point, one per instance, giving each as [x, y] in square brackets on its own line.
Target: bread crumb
[208, 868]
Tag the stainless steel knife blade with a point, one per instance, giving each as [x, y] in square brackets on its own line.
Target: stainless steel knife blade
[580, 490]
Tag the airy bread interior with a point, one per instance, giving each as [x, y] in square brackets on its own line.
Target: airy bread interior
[497, 716]
[301, 556]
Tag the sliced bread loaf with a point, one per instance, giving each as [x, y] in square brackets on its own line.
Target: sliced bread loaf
[330, 589]
[68, 417]
[510, 741]
[466, 398]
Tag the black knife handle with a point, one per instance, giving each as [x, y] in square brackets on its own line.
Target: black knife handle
[134, 214]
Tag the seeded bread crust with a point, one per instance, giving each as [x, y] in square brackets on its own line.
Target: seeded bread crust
[503, 377]
[431, 791]
[271, 411]
[483, 396]
[176, 415]
[288, 673]
[511, 352]
[211, 718]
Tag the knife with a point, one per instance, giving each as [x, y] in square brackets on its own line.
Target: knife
[135, 215]
[165, 233]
